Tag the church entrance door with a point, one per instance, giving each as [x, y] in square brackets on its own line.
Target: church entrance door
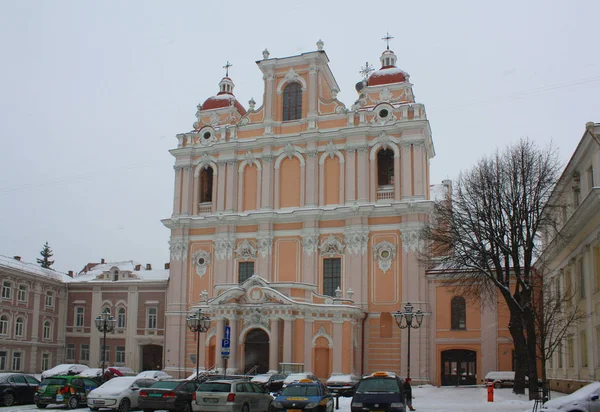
[256, 352]
[459, 367]
[152, 357]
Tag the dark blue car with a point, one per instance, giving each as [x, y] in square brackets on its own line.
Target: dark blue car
[378, 392]
[306, 396]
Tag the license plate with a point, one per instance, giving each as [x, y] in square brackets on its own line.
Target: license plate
[210, 400]
[98, 401]
[294, 410]
[155, 395]
[60, 398]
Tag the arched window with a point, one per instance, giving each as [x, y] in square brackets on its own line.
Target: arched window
[206, 185]
[385, 167]
[115, 275]
[3, 325]
[19, 323]
[47, 334]
[458, 313]
[121, 318]
[292, 102]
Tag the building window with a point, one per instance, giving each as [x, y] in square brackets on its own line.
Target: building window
[245, 270]
[571, 353]
[581, 279]
[3, 325]
[590, 178]
[115, 275]
[3, 355]
[17, 361]
[22, 293]
[79, 316]
[385, 167]
[560, 354]
[583, 346]
[49, 299]
[47, 334]
[292, 102]
[105, 351]
[6, 290]
[45, 361]
[206, 185]
[84, 352]
[120, 355]
[121, 320]
[70, 351]
[458, 313]
[19, 326]
[332, 275]
[151, 321]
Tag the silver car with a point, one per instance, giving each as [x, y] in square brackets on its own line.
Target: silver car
[231, 395]
[119, 394]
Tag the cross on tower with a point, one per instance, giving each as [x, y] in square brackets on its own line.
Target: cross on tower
[387, 39]
[226, 67]
[366, 70]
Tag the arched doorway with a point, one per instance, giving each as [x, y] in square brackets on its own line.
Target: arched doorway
[152, 357]
[459, 367]
[256, 351]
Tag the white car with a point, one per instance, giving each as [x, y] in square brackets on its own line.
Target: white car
[64, 369]
[586, 399]
[294, 377]
[154, 375]
[119, 394]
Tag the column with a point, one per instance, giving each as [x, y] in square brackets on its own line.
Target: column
[264, 239]
[313, 177]
[363, 174]
[310, 254]
[338, 345]
[132, 350]
[219, 363]
[187, 191]
[267, 179]
[350, 175]
[231, 189]
[308, 349]
[419, 180]
[95, 335]
[233, 356]
[405, 173]
[274, 345]
[177, 195]
[35, 327]
[288, 323]
[312, 96]
[60, 327]
[222, 173]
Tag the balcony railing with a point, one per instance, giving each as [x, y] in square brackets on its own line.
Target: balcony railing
[204, 208]
[385, 193]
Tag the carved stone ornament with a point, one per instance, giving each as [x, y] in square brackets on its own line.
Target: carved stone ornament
[384, 140]
[265, 245]
[214, 119]
[292, 76]
[385, 95]
[340, 109]
[207, 138]
[331, 246]
[310, 242]
[378, 118]
[256, 318]
[178, 250]
[357, 241]
[411, 241]
[249, 157]
[201, 260]
[246, 250]
[224, 248]
[244, 121]
[331, 150]
[289, 151]
[322, 333]
[384, 252]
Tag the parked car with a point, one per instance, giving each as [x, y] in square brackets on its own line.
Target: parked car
[125, 370]
[64, 369]
[500, 379]
[17, 388]
[342, 384]
[173, 395]
[307, 395]
[66, 390]
[273, 382]
[231, 395]
[119, 394]
[295, 377]
[153, 375]
[586, 399]
[380, 391]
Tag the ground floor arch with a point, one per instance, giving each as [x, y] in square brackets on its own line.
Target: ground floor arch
[152, 357]
[256, 351]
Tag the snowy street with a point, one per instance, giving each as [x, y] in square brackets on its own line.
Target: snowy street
[427, 399]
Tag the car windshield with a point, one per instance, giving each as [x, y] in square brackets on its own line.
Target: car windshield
[295, 377]
[54, 381]
[300, 390]
[118, 383]
[214, 387]
[165, 385]
[261, 378]
[378, 385]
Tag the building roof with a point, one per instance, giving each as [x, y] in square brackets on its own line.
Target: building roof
[387, 75]
[221, 100]
[33, 269]
[138, 272]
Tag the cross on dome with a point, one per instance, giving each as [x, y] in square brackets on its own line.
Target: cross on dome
[366, 70]
[228, 65]
[387, 39]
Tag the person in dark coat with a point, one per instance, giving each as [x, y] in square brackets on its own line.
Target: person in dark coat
[408, 393]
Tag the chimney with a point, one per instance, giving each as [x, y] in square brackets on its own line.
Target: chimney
[148, 266]
[102, 261]
[138, 267]
[70, 273]
[17, 258]
[167, 265]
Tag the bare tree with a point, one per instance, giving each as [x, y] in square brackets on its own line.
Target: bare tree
[485, 235]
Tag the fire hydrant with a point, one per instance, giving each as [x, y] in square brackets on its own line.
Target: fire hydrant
[490, 388]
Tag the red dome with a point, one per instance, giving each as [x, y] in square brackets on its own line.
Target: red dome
[386, 76]
[222, 100]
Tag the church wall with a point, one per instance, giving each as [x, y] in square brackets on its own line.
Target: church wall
[332, 181]
[287, 259]
[289, 183]
[250, 188]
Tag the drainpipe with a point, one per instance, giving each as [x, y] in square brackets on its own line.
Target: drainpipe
[362, 348]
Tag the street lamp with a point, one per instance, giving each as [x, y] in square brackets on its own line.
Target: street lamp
[198, 323]
[105, 323]
[405, 321]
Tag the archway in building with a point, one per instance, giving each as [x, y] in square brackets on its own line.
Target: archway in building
[322, 358]
[256, 351]
[459, 367]
[152, 357]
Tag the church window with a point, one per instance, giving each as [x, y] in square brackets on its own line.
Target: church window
[292, 102]
[385, 167]
[332, 275]
[206, 185]
[458, 313]
[245, 271]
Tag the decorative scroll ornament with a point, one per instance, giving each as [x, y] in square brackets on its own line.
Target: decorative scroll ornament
[411, 241]
[289, 151]
[384, 252]
[331, 150]
[214, 119]
[256, 318]
[385, 95]
[357, 241]
[178, 250]
[224, 248]
[310, 242]
[292, 76]
[201, 259]
[265, 245]
[204, 161]
[331, 246]
[245, 250]
[384, 140]
[249, 157]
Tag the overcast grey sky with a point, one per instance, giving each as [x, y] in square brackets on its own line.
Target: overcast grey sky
[92, 94]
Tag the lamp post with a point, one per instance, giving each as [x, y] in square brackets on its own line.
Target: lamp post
[405, 321]
[198, 323]
[105, 323]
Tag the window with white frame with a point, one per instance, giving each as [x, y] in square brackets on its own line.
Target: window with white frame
[121, 319]
[19, 327]
[6, 290]
[17, 361]
[152, 315]
[84, 352]
[70, 351]
[120, 354]
[49, 299]
[3, 355]
[22, 293]
[590, 178]
[79, 316]
[105, 353]
[45, 361]
[3, 325]
[47, 331]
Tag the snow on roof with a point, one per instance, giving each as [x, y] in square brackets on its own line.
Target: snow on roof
[140, 275]
[438, 192]
[10, 262]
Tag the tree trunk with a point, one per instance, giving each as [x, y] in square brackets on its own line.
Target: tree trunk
[515, 328]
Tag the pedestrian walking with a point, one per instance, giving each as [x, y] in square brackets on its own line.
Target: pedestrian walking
[408, 393]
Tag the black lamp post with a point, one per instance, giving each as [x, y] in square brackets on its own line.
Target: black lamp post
[198, 323]
[105, 323]
[405, 321]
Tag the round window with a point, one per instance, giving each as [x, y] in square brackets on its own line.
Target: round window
[383, 113]
[384, 254]
[206, 135]
[201, 261]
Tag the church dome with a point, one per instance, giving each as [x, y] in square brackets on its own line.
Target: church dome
[224, 98]
[388, 73]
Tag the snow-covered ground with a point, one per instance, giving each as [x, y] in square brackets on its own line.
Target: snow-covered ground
[427, 399]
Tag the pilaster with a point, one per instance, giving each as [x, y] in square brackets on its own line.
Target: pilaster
[221, 185]
[308, 347]
[406, 172]
[363, 174]
[274, 345]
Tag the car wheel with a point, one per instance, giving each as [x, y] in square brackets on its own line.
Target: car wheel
[498, 385]
[125, 405]
[73, 402]
[41, 405]
[187, 408]
[245, 408]
[94, 409]
[9, 399]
